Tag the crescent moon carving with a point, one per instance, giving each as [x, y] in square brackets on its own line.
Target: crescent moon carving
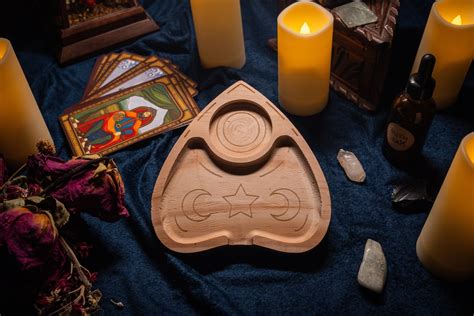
[188, 205]
[293, 205]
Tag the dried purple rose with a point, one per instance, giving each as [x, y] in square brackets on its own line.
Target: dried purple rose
[91, 185]
[12, 191]
[34, 207]
[18, 188]
[44, 169]
[31, 238]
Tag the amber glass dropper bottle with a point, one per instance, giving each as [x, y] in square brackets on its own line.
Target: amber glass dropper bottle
[411, 116]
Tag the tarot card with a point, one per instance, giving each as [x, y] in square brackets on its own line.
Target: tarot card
[110, 58]
[142, 74]
[165, 64]
[168, 66]
[179, 85]
[187, 97]
[123, 63]
[128, 82]
[106, 62]
[102, 63]
[126, 117]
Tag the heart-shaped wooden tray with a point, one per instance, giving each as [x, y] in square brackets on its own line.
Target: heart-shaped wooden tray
[241, 174]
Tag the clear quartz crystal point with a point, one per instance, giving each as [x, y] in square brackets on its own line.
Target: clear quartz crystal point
[351, 165]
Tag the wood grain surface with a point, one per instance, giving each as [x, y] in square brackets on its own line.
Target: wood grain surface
[241, 174]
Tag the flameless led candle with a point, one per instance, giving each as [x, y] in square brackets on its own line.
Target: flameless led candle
[219, 33]
[446, 243]
[21, 123]
[304, 57]
[449, 36]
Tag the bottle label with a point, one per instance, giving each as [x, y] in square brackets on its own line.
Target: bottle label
[399, 138]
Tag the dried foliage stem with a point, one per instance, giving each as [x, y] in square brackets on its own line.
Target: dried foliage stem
[17, 172]
[77, 266]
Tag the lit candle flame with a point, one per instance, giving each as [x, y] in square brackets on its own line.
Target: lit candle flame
[457, 20]
[305, 28]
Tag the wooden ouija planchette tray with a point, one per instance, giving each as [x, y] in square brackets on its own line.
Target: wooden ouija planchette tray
[241, 174]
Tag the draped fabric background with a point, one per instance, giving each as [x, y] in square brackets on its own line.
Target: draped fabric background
[136, 269]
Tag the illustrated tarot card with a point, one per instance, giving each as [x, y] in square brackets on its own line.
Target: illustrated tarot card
[102, 62]
[183, 91]
[127, 82]
[110, 123]
[141, 74]
[99, 63]
[109, 60]
[165, 63]
[123, 63]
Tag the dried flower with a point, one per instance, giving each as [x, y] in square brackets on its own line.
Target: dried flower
[69, 294]
[46, 148]
[13, 191]
[70, 291]
[18, 188]
[43, 169]
[34, 207]
[83, 184]
[58, 211]
[30, 237]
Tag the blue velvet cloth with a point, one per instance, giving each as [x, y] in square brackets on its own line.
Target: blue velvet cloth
[136, 269]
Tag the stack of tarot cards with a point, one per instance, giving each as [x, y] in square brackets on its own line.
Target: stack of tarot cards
[128, 98]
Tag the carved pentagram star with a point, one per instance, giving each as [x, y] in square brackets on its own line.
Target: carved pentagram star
[240, 202]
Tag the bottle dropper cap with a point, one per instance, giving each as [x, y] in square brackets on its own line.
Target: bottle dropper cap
[421, 84]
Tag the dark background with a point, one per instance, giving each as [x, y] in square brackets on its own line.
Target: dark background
[135, 268]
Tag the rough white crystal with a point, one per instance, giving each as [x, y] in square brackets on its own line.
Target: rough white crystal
[351, 165]
[373, 269]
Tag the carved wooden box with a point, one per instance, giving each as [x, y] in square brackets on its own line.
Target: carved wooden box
[90, 26]
[361, 55]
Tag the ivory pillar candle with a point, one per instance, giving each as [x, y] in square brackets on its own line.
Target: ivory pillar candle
[219, 33]
[21, 123]
[448, 35]
[304, 57]
[446, 243]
